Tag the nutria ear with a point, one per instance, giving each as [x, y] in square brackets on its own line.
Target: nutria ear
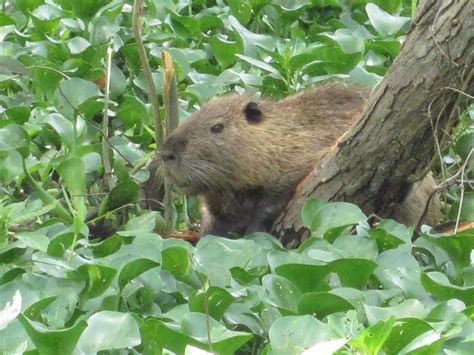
[253, 113]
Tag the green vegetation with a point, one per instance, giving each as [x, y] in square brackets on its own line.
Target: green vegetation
[350, 288]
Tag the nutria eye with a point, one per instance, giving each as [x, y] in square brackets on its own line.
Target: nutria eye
[217, 128]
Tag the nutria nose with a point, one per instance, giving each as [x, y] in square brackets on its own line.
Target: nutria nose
[172, 147]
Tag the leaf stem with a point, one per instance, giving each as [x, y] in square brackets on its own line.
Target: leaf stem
[137, 31]
[105, 125]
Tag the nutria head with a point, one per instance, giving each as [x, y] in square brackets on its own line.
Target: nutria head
[224, 146]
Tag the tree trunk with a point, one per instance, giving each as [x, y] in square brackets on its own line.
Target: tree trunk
[380, 157]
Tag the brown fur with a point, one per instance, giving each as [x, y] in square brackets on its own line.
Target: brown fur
[247, 172]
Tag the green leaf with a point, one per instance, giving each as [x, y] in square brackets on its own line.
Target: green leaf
[467, 208]
[282, 292]
[35, 240]
[10, 311]
[63, 127]
[408, 308]
[311, 206]
[224, 51]
[86, 9]
[176, 260]
[321, 304]
[18, 114]
[295, 334]
[439, 286]
[14, 137]
[28, 5]
[158, 335]
[384, 23]
[241, 10]
[403, 332]
[314, 276]
[464, 145]
[261, 65]
[348, 41]
[97, 277]
[371, 340]
[72, 93]
[122, 194]
[133, 269]
[72, 172]
[133, 112]
[78, 45]
[344, 268]
[218, 300]
[108, 330]
[61, 341]
[335, 214]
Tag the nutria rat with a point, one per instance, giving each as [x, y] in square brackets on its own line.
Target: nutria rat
[245, 156]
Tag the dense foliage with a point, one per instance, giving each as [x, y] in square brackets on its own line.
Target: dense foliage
[350, 288]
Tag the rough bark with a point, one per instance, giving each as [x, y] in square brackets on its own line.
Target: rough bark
[377, 161]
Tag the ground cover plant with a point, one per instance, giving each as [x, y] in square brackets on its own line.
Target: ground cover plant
[83, 268]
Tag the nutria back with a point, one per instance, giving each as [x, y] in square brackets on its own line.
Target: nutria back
[242, 153]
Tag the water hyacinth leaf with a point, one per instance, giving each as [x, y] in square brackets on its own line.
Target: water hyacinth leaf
[18, 114]
[347, 40]
[441, 288]
[108, 246]
[335, 214]
[176, 260]
[250, 39]
[36, 240]
[14, 137]
[61, 341]
[295, 334]
[28, 5]
[193, 331]
[108, 330]
[314, 280]
[218, 300]
[467, 208]
[78, 45]
[10, 311]
[86, 9]
[321, 304]
[225, 252]
[345, 270]
[72, 93]
[72, 173]
[11, 275]
[133, 269]
[371, 340]
[223, 340]
[97, 278]
[283, 293]
[133, 112]
[459, 247]
[224, 51]
[122, 194]
[384, 23]
[408, 308]
[63, 127]
[403, 332]
[241, 10]
[310, 208]
[464, 145]
[261, 65]
[143, 223]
